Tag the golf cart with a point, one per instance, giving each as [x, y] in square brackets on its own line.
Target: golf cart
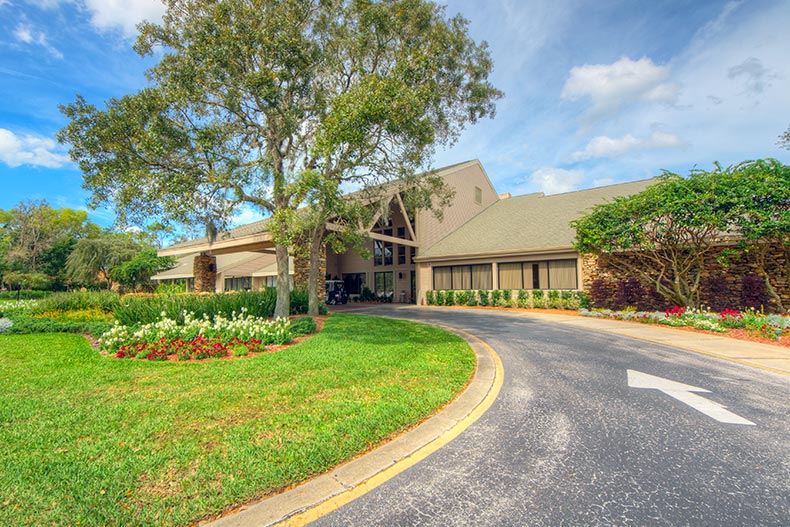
[336, 292]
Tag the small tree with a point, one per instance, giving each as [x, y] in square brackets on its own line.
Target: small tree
[762, 220]
[137, 272]
[663, 235]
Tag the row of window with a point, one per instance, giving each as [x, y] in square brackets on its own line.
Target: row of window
[548, 274]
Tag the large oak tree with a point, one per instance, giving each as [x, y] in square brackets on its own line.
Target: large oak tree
[252, 98]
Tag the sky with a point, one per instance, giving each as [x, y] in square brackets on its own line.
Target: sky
[596, 92]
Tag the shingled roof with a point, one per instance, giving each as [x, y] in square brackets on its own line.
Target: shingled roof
[523, 224]
[261, 227]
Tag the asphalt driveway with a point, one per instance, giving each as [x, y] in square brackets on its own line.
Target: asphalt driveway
[569, 442]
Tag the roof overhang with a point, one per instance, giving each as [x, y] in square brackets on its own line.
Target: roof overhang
[543, 251]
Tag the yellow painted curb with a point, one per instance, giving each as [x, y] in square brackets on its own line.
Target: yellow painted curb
[334, 503]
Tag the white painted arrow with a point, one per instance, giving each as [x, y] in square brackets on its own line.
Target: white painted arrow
[684, 393]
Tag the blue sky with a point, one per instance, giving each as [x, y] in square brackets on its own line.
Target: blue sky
[597, 92]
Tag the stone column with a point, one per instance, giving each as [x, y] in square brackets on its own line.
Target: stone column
[204, 269]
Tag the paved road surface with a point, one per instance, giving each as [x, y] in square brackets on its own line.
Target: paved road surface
[568, 442]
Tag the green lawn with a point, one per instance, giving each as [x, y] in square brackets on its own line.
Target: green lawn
[90, 440]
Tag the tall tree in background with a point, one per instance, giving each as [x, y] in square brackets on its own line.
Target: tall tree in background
[252, 97]
[784, 139]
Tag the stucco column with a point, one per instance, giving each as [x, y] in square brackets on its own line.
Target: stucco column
[495, 275]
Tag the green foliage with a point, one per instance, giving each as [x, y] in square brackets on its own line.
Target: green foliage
[430, 297]
[16, 279]
[524, 298]
[303, 326]
[439, 297]
[92, 259]
[28, 294]
[25, 324]
[555, 299]
[77, 300]
[471, 298]
[138, 271]
[483, 297]
[496, 297]
[449, 298]
[171, 288]
[367, 295]
[676, 223]
[461, 298]
[147, 308]
[327, 79]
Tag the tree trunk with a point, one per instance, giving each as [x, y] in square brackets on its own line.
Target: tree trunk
[314, 272]
[282, 308]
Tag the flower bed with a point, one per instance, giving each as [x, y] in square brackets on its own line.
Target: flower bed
[755, 323]
[196, 338]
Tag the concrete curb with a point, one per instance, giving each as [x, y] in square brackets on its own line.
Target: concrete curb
[354, 478]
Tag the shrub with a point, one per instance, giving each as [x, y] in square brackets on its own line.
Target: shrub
[303, 326]
[629, 292]
[28, 294]
[570, 300]
[449, 298]
[145, 308]
[539, 299]
[753, 293]
[524, 298]
[24, 325]
[171, 288]
[78, 300]
[601, 294]
[483, 297]
[716, 292]
[554, 299]
[367, 295]
[429, 297]
[507, 298]
[496, 297]
[461, 298]
[471, 298]
[439, 298]
[584, 299]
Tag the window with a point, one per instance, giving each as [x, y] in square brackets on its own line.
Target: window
[511, 276]
[271, 281]
[478, 195]
[463, 277]
[482, 277]
[238, 284]
[412, 254]
[442, 278]
[562, 274]
[383, 283]
[535, 276]
[401, 254]
[354, 282]
[401, 232]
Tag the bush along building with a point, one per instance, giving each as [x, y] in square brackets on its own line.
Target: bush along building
[487, 249]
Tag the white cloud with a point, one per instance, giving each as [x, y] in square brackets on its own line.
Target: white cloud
[611, 87]
[109, 15]
[33, 150]
[551, 180]
[27, 35]
[244, 215]
[603, 146]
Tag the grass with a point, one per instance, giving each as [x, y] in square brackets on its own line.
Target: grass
[88, 440]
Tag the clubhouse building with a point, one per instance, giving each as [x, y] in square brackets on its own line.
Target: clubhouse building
[485, 240]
